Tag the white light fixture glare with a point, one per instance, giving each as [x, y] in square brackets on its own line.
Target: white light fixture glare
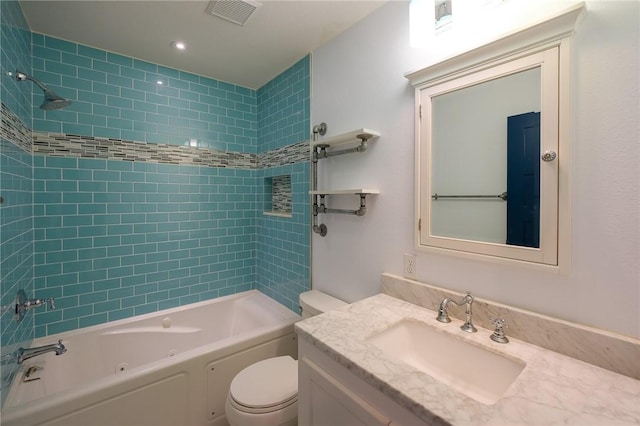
[420, 17]
[179, 45]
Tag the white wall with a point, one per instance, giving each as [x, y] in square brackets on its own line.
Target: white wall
[358, 82]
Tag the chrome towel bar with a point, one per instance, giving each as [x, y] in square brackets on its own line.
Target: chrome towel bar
[502, 196]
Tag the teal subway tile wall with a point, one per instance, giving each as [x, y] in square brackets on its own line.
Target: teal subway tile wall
[114, 239]
[118, 238]
[283, 243]
[120, 97]
[284, 105]
[144, 195]
[16, 216]
[15, 42]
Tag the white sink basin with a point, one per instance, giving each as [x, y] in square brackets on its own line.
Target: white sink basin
[470, 369]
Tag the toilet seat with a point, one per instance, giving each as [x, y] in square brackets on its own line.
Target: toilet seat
[266, 386]
[264, 410]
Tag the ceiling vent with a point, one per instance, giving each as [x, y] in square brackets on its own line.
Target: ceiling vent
[236, 11]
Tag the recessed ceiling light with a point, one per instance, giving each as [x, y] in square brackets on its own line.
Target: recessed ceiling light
[179, 45]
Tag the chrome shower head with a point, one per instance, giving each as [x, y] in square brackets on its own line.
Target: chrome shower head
[51, 100]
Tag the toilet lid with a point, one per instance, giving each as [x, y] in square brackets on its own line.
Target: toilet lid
[266, 383]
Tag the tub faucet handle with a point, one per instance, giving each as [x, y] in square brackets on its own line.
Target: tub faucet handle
[32, 303]
[23, 304]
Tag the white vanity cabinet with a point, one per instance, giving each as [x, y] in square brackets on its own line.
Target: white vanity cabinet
[331, 395]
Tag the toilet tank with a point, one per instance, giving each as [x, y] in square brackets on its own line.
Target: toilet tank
[315, 302]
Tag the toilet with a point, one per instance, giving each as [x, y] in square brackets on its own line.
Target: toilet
[266, 393]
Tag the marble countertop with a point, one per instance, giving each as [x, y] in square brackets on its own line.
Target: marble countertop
[552, 388]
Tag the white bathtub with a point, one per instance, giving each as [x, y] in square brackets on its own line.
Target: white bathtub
[172, 367]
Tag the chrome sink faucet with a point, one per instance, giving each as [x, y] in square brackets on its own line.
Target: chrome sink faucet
[467, 300]
[24, 354]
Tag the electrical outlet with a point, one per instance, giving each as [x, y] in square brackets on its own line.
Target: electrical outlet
[410, 266]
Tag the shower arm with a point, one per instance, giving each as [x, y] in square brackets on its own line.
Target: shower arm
[51, 99]
[23, 77]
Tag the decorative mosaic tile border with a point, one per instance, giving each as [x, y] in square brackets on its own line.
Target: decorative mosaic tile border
[63, 145]
[291, 154]
[14, 130]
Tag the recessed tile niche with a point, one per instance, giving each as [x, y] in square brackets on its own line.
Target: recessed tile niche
[278, 196]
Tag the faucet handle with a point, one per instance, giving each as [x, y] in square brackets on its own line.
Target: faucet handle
[50, 302]
[498, 335]
[498, 322]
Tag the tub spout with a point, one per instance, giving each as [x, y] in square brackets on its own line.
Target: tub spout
[24, 354]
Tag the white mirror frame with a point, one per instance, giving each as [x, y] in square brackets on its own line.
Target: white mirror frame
[545, 44]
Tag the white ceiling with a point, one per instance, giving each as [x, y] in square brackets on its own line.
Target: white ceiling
[276, 35]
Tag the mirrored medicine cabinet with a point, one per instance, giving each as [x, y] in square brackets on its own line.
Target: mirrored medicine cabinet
[493, 147]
